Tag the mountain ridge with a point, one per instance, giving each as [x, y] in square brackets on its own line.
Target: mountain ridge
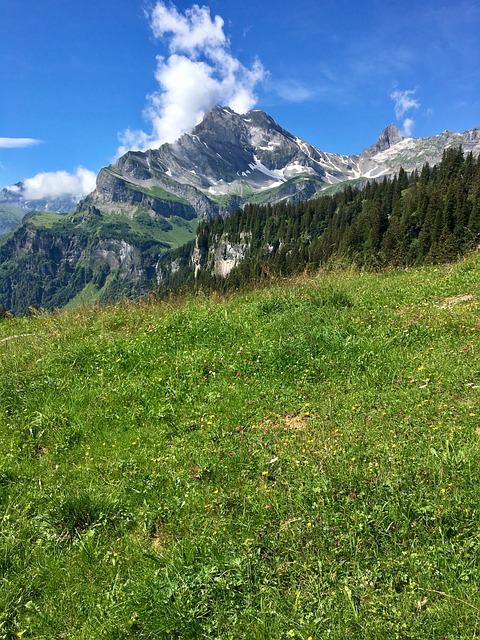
[148, 203]
[229, 160]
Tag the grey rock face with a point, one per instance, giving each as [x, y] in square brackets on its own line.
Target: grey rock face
[389, 136]
[63, 204]
[229, 160]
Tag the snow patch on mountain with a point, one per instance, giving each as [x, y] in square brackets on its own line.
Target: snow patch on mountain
[277, 174]
[238, 156]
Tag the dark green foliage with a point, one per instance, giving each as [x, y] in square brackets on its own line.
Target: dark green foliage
[428, 216]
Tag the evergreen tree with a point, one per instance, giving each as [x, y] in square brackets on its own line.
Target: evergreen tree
[431, 215]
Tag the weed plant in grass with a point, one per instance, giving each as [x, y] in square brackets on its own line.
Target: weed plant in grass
[299, 462]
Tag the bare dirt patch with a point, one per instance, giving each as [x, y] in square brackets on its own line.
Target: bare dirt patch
[294, 423]
[456, 300]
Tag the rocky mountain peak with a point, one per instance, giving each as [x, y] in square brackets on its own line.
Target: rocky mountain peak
[472, 136]
[217, 118]
[230, 159]
[389, 136]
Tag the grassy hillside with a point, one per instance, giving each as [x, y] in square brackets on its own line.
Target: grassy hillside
[53, 260]
[140, 229]
[10, 217]
[301, 462]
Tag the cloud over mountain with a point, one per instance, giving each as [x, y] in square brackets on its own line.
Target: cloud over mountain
[403, 102]
[56, 184]
[199, 71]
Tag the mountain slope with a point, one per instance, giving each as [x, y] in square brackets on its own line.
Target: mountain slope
[148, 203]
[52, 258]
[10, 217]
[229, 160]
[296, 462]
[14, 206]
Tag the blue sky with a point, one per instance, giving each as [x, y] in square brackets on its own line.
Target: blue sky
[76, 77]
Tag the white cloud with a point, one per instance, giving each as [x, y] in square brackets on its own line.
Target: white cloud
[404, 101]
[408, 127]
[18, 143]
[56, 184]
[199, 72]
[191, 32]
[294, 91]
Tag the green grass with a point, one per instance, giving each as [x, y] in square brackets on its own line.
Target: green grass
[141, 228]
[298, 462]
[265, 195]
[89, 295]
[174, 230]
[157, 192]
[178, 231]
[332, 189]
[225, 200]
[46, 219]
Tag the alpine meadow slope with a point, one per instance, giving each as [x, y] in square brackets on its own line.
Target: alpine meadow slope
[298, 462]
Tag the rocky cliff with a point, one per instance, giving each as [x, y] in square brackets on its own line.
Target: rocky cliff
[229, 160]
[149, 202]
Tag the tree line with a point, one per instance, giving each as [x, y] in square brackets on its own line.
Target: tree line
[431, 215]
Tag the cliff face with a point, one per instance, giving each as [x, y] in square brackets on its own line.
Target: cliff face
[46, 268]
[219, 259]
[115, 192]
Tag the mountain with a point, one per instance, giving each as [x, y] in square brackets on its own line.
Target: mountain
[229, 160]
[148, 203]
[10, 217]
[14, 206]
[14, 196]
[84, 257]
[389, 137]
[226, 161]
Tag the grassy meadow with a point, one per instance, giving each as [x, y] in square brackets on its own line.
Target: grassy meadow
[300, 462]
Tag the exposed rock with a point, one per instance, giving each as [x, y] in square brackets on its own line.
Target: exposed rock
[226, 256]
[389, 136]
[229, 160]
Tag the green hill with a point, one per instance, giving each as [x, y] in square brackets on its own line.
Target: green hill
[53, 259]
[297, 462]
[10, 217]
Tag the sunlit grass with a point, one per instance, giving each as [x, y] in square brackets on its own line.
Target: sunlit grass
[299, 462]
